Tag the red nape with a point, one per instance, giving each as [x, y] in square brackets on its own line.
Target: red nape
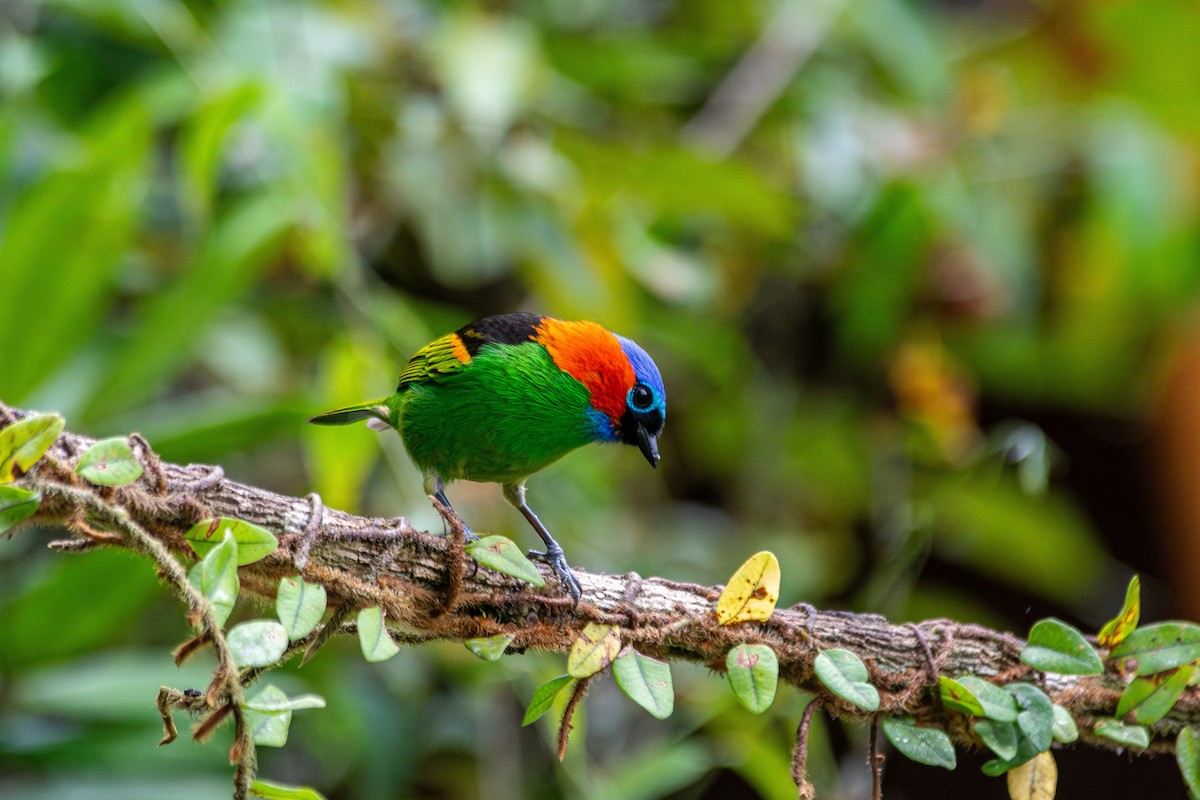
[593, 356]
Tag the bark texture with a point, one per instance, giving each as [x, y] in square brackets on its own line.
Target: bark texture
[431, 591]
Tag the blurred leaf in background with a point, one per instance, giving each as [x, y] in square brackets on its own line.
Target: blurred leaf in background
[864, 242]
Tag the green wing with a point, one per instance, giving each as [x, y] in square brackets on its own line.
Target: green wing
[440, 357]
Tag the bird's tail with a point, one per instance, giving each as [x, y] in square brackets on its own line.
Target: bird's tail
[371, 409]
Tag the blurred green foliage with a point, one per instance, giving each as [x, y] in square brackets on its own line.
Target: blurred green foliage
[853, 235]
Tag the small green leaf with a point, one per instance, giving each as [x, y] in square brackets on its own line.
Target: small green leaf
[276, 702]
[594, 650]
[1055, 646]
[1000, 737]
[1135, 693]
[258, 643]
[268, 699]
[16, 505]
[268, 727]
[1026, 749]
[1120, 626]
[277, 791]
[960, 698]
[543, 698]
[299, 606]
[503, 555]
[1187, 754]
[24, 442]
[997, 767]
[1159, 647]
[1147, 700]
[373, 636]
[216, 577]
[753, 671]
[997, 703]
[490, 648]
[110, 462]
[1130, 735]
[923, 745]
[647, 681]
[253, 542]
[1036, 716]
[1064, 730]
[844, 674]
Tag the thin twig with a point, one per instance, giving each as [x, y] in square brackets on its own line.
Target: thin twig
[804, 789]
[225, 686]
[875, 760]
[323, 633]
[456, 557]
[564, 727]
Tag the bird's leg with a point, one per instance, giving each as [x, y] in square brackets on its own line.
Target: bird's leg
[554, 556]
[438, 493]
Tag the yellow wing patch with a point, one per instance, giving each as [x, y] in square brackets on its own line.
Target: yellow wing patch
[441, 356]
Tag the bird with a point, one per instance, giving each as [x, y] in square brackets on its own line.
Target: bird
[505, 396]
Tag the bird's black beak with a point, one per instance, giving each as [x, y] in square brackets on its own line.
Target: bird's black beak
[648, 444]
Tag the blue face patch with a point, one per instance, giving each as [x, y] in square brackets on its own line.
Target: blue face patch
[647, 375]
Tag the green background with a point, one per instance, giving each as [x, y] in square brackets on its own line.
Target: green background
[914, 273]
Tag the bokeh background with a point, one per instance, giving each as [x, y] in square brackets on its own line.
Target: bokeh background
[922, 279]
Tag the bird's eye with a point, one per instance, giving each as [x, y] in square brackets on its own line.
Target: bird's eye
[641, 398]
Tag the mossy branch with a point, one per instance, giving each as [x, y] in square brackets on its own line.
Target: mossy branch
[432, 592]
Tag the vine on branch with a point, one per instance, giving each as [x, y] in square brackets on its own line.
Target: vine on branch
[928, 685]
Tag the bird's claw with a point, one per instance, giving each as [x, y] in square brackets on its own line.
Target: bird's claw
[557, 561]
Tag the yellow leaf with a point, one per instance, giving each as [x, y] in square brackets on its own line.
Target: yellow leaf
[594, 650]
[1115, 631]
[1036, 779]
[752, 592]
[24, 442]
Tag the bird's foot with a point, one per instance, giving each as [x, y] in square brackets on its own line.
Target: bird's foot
[557, 561]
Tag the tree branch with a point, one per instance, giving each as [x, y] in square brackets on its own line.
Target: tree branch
[431, 592]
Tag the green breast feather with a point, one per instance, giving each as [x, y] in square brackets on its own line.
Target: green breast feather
[506, 414]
